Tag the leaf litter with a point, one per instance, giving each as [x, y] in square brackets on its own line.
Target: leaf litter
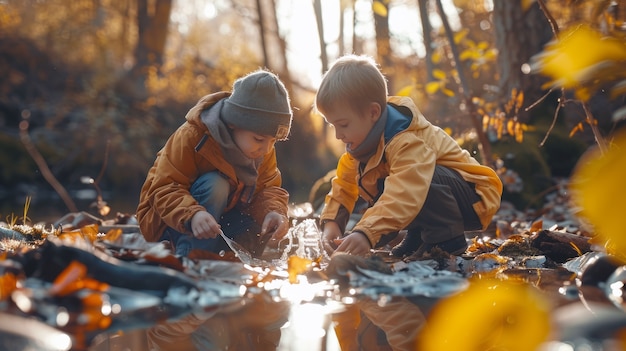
[85, 282]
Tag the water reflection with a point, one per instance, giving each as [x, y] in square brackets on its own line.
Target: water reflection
[312, 303]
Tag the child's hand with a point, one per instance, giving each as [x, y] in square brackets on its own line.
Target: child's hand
[331, 236]
[275, 225]
[204, 226]
[355, 243]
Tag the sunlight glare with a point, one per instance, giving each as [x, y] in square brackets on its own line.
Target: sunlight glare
[306, 329]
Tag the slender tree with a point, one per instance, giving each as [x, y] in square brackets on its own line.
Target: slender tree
[426, 35]
[317, 6]
[383, 43]
[519, 34]
[153, 19]
[464, 89]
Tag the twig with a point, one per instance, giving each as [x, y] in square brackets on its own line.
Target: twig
[594, 128]
[43, 167]
[556, 115]
[534, 104]
[551, 20]
[104, 162]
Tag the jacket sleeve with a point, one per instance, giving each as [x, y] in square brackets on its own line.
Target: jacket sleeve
[174, 172]
[344, 192]
[269, 195]
[411, 168]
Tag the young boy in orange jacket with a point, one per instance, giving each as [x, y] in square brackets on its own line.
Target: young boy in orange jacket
[412, 175]
[218, 171]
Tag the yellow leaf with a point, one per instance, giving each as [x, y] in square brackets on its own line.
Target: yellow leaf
[406, 91]
[466, 54]
[432, 87]
[510, 127]
[578, 127]
[379, 8]
[439, 74]
[436, 57]
[490, 54]
[567, 60]
[458, 36]
[597, 186]
[297, 265]
[447, 92]
[514, 317]
[519, 135]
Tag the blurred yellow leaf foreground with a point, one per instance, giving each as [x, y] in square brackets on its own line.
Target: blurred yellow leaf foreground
[598, 189]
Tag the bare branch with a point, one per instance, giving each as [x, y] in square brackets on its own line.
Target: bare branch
[43, 167]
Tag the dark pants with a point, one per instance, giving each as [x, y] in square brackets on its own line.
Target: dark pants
[211, 190]
[448, 210]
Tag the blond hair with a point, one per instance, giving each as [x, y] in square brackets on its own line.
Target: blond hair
[352, 79]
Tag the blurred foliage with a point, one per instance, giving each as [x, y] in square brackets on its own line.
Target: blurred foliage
[513, 317]
[597, 190]
[585, 71]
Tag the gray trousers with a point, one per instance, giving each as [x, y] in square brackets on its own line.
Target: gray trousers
[447, 211]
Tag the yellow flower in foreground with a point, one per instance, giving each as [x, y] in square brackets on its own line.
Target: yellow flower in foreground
[569, 60]
[597, 186]
[489, 315]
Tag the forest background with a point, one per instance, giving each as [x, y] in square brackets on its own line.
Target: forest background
[91, 89]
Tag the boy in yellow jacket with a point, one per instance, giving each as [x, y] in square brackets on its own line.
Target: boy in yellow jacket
[218, 171]
[412, 175]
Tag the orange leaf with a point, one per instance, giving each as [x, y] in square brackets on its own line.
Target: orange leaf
[65, 282]
[536, 226]
[297, 265]
[113, 234]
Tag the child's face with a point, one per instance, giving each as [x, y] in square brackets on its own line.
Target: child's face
[253, 145]
[351, 126]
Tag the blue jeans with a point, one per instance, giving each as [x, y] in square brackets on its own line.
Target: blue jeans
[211, 190]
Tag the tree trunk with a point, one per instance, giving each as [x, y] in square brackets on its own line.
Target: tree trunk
[153, 19]
[519, 35]
[282, 67]
[356, 43]
[428, 41]
[153, 24]
[466, 93]
[261, 23]
[341, 37]
[383, 45]
[317, 6]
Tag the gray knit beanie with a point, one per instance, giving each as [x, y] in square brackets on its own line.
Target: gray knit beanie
[260, 103]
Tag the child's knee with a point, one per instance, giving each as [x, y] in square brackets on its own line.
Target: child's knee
[211, 190]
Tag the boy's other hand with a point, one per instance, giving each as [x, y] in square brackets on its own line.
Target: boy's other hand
[331, 236]
[276, 225]
[204, 225]
[355, 243]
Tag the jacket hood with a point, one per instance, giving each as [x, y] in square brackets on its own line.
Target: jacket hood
[407, 107]
[193, 116]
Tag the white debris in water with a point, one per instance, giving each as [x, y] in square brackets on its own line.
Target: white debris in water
[303, 240]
